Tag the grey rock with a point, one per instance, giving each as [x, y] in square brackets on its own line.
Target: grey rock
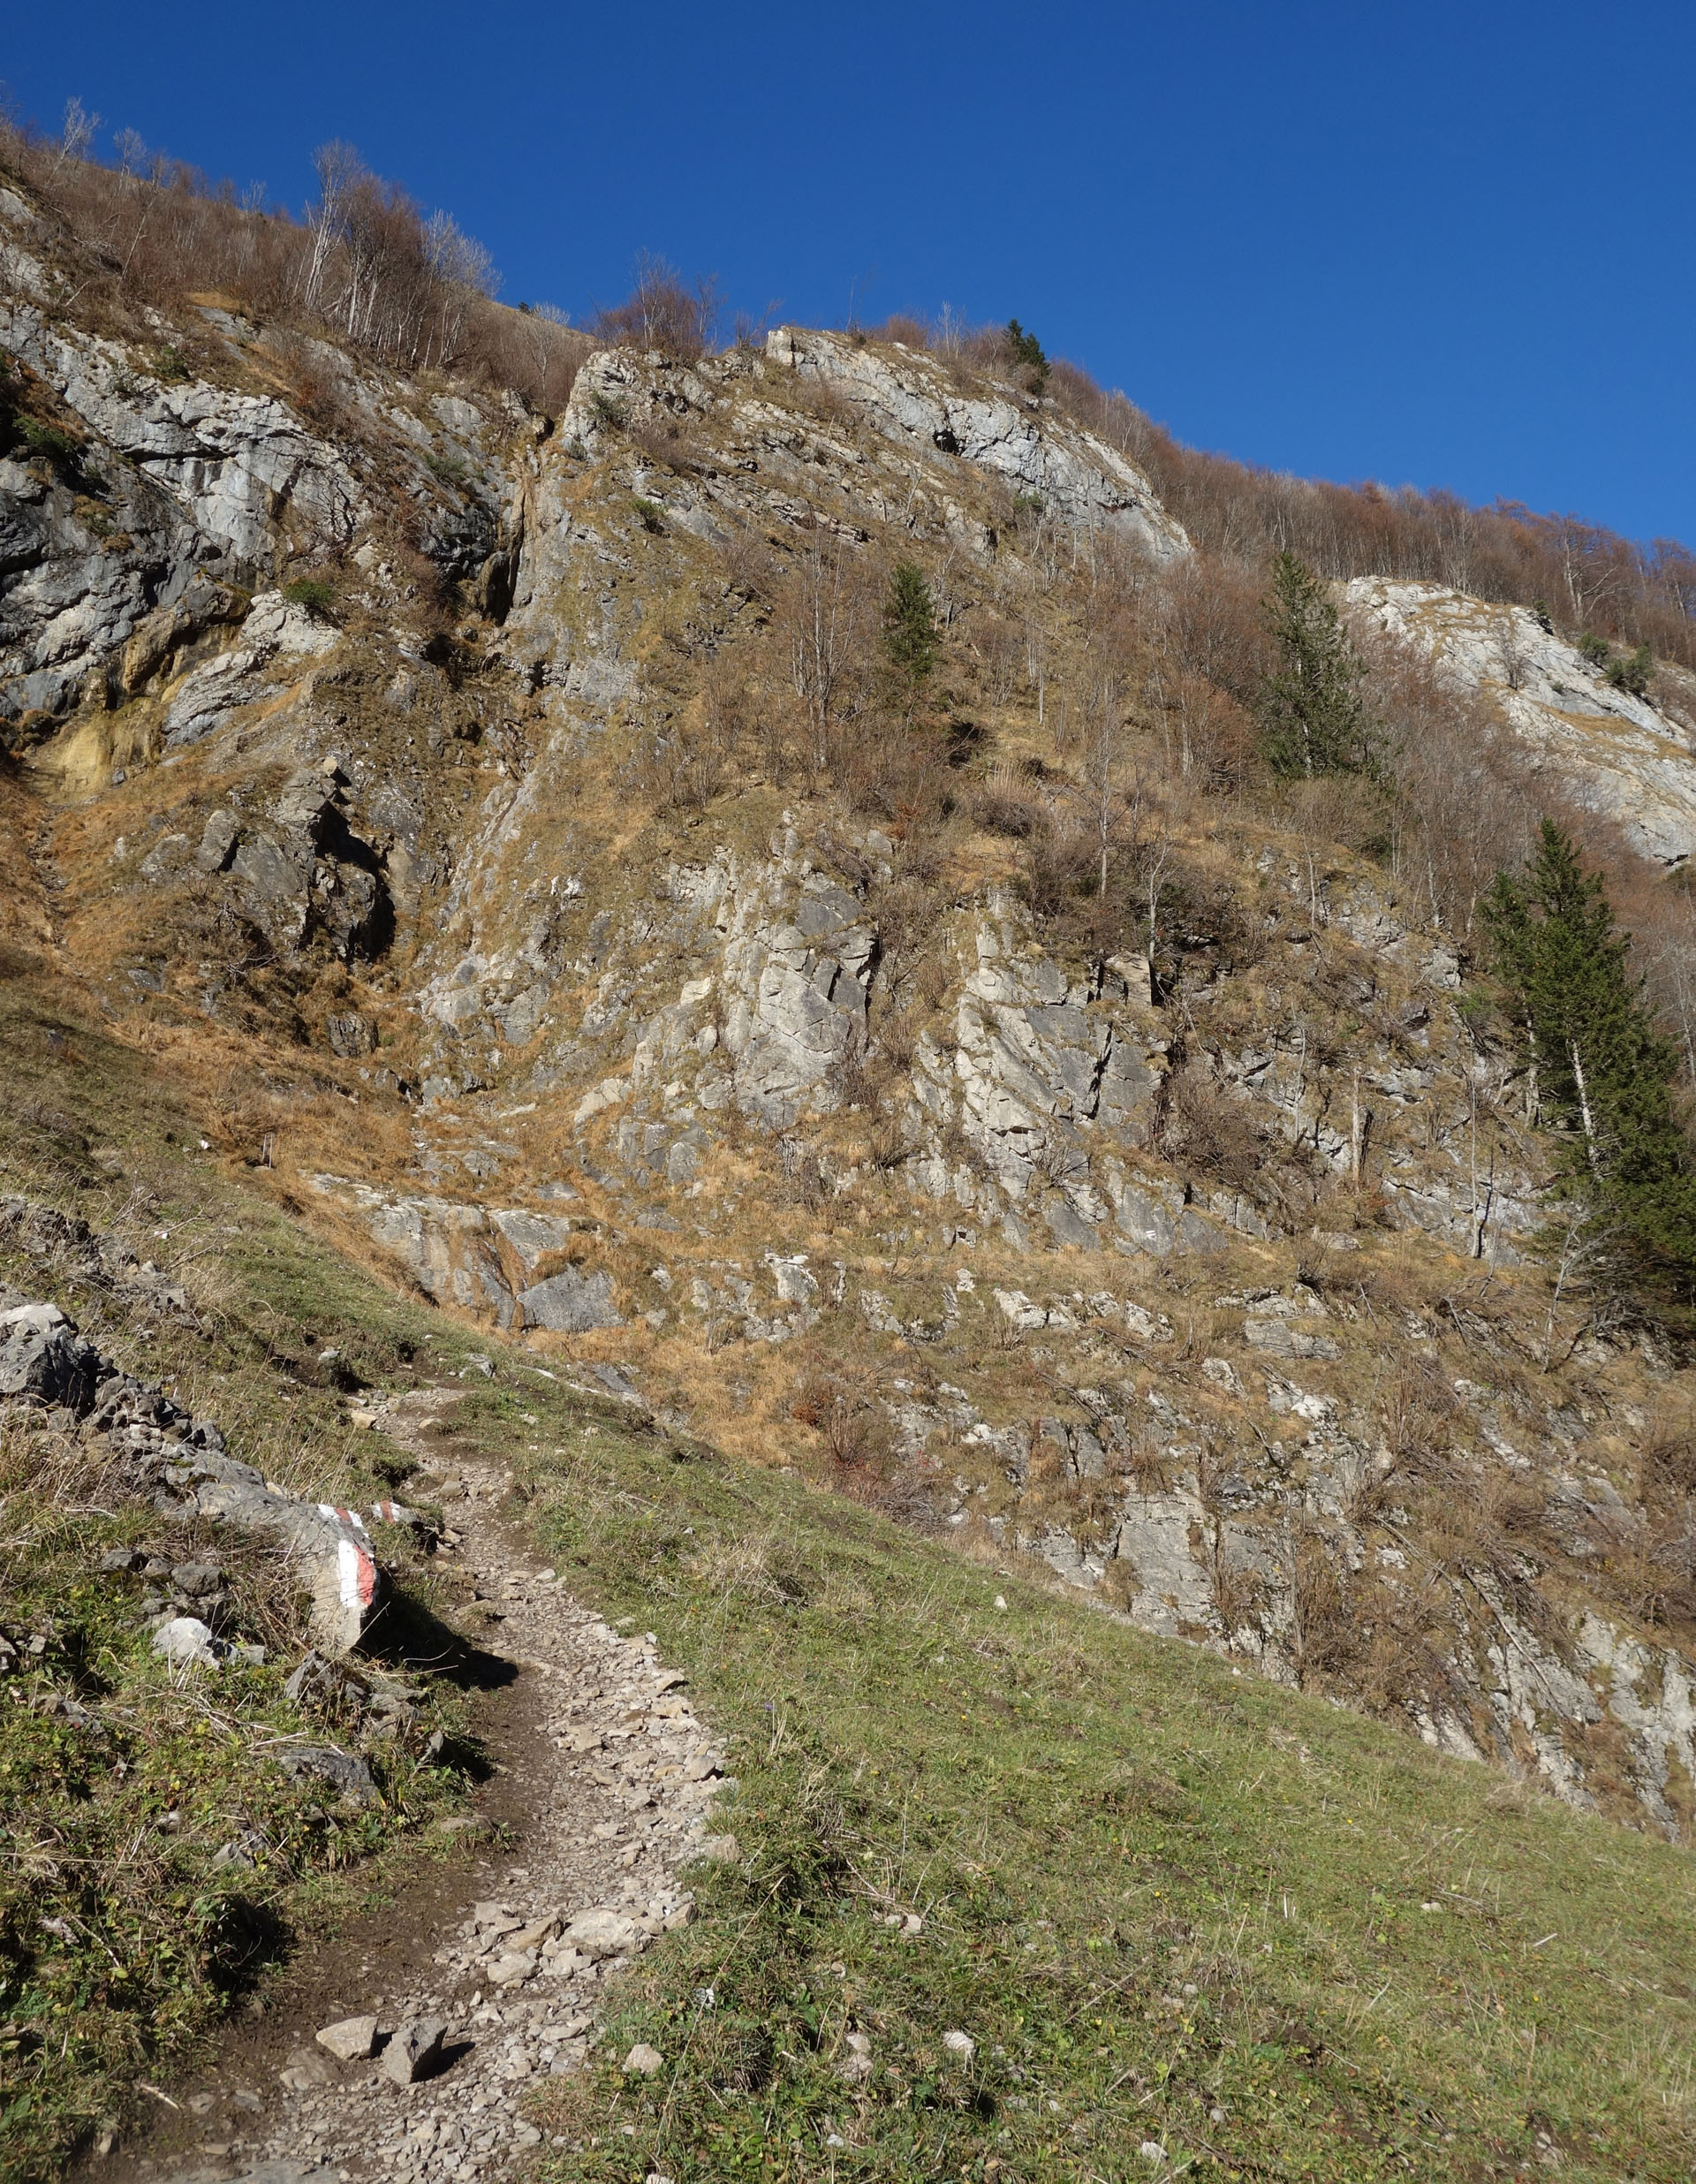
[194, 1580]
[185, 1641]
[1145, 1223]
[1069, 1229]
[42, 1357]
[570, 1303]
[911, 402]
[532, 1235]
[414, 2051]
[218, 841]
[350, 2039]
[316, 1680]
[351, 1035]
[331, 1549]
[603, 1933]
[321, 1763]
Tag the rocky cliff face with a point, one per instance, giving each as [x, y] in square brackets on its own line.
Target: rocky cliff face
[1600, 745]
[1194, 1266]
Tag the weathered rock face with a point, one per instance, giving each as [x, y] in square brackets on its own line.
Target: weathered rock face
[1607, 748]
[910, 402]
[176, 485]
[274, 635]
[489, 1262]
[41, 1358]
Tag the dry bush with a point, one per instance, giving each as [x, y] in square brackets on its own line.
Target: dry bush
[852, 1426]
[1208, 734]
[1000, 807]
[1419, 1411]
[1202, 1128]
[751, 568]
[1203, 618]
[1324, 1630]
[48, 1475]
[755, 1566]
[684, 765]
[662, 442]
[900, 326]
[998, 647]
[1667, 1458]
[823, 625]
[364, 264]
[1060, 865]
[663, 311]
[804, 1179]
[533, 349]
[899, 773]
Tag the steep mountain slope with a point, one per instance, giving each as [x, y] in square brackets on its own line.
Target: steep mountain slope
[614, 964]
[505, 840]
[611, 961]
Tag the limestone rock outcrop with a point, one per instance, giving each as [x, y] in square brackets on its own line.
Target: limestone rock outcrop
[1603, 745]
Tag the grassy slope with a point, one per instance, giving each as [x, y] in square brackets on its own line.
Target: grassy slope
[1172, 1905]
[1151, 1890]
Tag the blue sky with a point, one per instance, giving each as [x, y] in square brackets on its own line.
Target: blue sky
[1447, 245]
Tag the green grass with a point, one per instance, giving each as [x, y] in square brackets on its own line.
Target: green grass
[1170, 1905]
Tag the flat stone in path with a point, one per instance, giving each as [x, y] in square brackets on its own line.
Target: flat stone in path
[351, 2040]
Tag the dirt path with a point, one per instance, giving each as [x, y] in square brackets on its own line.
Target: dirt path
[604, 1777]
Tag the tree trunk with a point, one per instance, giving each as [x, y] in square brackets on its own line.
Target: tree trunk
[1585, 1115]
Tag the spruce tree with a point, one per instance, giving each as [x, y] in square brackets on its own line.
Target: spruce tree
[910, 626]
[1312, 718]
[1604, 1073]
[1027, 350]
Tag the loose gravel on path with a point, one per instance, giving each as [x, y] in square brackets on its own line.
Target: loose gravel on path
[619, 1802]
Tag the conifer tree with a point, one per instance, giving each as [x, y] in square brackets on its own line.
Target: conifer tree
[910, 626]
[1027, 350]
[1603, 1071]
[1312, 718]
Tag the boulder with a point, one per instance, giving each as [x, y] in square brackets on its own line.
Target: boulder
[570, 1303]
[603, 1933]
[41, 1357]
[350, 2039]
[185, 1642]
[414, 2051]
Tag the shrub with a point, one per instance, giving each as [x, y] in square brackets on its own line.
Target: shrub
[662, 311]
[311, 592]
[651, 514]
[1633, 674]
[48, 441]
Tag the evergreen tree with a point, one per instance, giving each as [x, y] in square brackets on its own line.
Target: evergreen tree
[1603, 1071]
[1027, 350]
[910, 626]
[1312, 718]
